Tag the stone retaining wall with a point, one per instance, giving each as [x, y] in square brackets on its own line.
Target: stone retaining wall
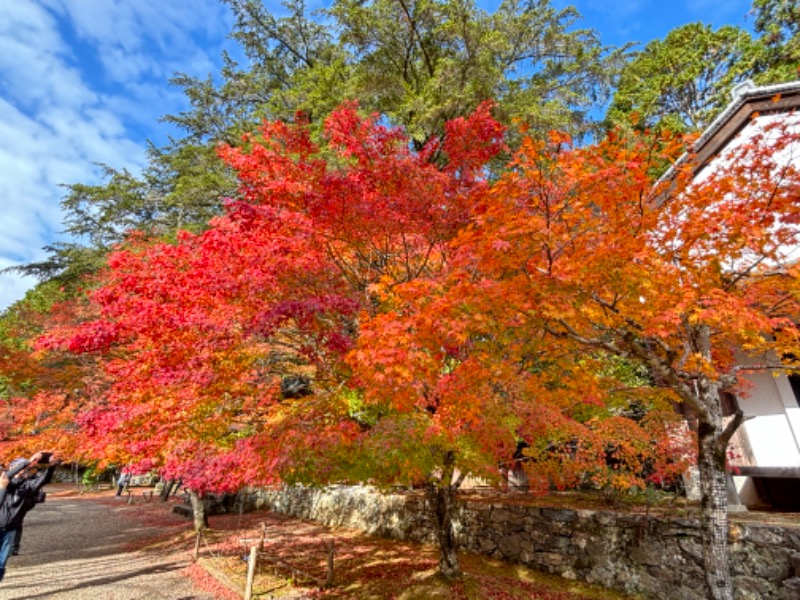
[659, 558]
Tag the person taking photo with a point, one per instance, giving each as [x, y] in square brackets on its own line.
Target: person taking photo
[19, 491]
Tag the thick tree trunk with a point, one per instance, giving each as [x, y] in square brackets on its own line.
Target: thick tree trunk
[442, 499]
[199, 517]
[714, 506]
[441, 494]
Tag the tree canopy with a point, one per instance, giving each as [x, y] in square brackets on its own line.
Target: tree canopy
[696, 277]
[291, 340]
[335, 276]
[681, 83]
[778, 22]
[418, 64]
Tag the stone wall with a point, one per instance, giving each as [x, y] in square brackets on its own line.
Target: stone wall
[659, 558]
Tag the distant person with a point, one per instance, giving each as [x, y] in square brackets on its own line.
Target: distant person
[16, 490]
[124, 480]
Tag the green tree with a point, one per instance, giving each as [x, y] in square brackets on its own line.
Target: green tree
[292, 63]
[418, 63]
[448, 56]
[181, 188]
[778, 22]
[683, 81]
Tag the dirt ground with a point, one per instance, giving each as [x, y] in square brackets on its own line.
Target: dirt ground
[90, 547]
[95, 546]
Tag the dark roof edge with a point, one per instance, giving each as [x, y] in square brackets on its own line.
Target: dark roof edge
[744, 93]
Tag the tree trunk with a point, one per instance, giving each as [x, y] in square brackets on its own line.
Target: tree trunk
[165, 491]
[714, 506]
[441, 494]
[442, 499]
[199, 517]
[171, 486]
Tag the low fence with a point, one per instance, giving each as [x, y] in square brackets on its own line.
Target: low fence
[628, 552]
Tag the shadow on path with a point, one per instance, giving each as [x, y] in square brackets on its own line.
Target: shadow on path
[79, 548]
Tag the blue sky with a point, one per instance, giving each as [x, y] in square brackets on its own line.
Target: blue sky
[85, 82]
[623, 21]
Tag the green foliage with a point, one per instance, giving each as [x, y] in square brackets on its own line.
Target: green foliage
[625, 370]
[680, 83]
[5, 388]
[68, 265]
[448, 56]
[182, 188]
[778, 22]
[16, 324]
[365, 414]
[190, 183]
[293, 64]
[418, 63]
[92, 476]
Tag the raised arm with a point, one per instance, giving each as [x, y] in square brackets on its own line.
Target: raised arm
[41, 480]
[4, 479]
[21, 465]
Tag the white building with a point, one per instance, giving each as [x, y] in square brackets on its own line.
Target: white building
[766, 450]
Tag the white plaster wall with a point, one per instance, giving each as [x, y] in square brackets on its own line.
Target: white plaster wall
[760, 127]
[775, 420]
[765, 397]
[772, 441]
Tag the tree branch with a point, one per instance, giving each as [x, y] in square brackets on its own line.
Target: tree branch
[415, 33]
[731, 427]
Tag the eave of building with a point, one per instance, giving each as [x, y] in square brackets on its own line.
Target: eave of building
[748, 101]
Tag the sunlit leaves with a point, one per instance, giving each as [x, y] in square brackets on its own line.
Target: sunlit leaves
[585, 245]
[197, 337]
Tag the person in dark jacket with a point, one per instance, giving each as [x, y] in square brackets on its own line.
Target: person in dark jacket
[36, 481]
[15, 492]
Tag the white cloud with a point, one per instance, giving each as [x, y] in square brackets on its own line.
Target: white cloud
[84, 82]
[128, 33]
[32, 75]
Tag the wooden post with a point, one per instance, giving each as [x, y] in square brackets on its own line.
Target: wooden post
[197, 546]
[263, 535]
[331, 551]
[251, 573]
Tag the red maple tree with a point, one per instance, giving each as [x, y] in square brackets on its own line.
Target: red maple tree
[325, 329]
[202, 340]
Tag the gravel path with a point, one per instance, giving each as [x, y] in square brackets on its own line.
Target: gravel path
[79, 548]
